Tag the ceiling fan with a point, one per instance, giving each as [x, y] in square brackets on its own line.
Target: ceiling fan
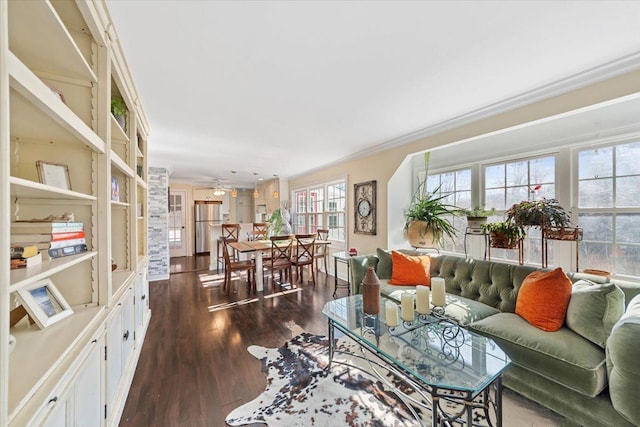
[218, 188]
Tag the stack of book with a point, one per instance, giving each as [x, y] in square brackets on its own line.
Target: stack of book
[25, 256]
[56, 239]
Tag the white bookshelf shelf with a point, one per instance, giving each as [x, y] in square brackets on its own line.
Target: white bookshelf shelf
[117, 133]
[121, 165]
[115, 204]
[22, 278]
[23, 188]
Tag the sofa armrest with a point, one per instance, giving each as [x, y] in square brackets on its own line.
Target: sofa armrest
[623, 363]
[358, 266]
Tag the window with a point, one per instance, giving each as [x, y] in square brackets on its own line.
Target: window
[608, 202]
[456, 186]
[513, 182]
[321, 206]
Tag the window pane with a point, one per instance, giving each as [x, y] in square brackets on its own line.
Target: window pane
[463, 180]
[596, 163]
[316, 200]
[628, 228]
[597, 227]
[627, 192]
[463, 199]
[433, 183]
[448, 182]
[542, 170]
[301, 201]
[517, 174]
[627, 257]
[494, 176]
[596, 255]
[516, 195]
[627, 158]
[597, 193]
[495, 199]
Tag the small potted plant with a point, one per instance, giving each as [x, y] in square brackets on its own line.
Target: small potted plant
[477, 217]
[119, 110]
[427, 220]
[504, 234]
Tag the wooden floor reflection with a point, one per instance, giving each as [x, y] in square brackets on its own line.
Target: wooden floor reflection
[194, 367]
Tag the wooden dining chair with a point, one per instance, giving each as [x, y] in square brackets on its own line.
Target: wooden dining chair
[280, 258]
[304, 255]
[232, 266]
[321, 251]
[230, 233]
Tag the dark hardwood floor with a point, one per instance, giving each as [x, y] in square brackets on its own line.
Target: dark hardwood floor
[194, 367]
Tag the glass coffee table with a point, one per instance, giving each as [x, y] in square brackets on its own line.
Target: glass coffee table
[456, 372]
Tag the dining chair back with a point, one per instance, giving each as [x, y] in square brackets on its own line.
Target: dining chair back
[232, 266]
[304, 255]
[259, 230]
[322, 251]
[230, 233]
[280, 258]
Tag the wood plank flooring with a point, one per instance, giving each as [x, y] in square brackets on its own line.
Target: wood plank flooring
[194, 367]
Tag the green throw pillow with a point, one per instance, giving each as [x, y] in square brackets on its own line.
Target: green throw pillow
[594, 309]
[384, 264]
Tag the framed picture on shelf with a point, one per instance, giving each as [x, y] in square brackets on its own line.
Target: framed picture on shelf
[115, 189]
[54, 174]
[44, 303]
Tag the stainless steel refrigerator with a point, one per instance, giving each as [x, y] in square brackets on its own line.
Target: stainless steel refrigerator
[206, 213]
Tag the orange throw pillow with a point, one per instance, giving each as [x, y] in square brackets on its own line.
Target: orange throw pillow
[543, 299]
[410, 270]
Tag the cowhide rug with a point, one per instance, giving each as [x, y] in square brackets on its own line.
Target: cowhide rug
[300, 393]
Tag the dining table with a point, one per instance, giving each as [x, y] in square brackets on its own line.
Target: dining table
[257, 247]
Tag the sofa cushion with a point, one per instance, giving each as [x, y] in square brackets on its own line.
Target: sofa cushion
[594, 309]
[385, 263]
[543, 299]
[409, 270]
[358, 266]
[623, 363]
[462, 310]
[561, 356]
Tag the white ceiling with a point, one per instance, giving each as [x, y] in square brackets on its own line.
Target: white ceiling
[283, 87]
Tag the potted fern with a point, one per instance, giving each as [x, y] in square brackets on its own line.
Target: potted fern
[427, 220]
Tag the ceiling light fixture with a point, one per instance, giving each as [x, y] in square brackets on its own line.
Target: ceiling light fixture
[255, 188]
[234, 192]
[218, 192]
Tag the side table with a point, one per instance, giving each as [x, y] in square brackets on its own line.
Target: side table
[342, 257]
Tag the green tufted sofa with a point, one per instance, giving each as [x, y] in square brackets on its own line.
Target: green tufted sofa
[561, 370]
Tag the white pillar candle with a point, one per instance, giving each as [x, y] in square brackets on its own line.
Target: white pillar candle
[422, 299]
[391, 313]
[437, 289]
[407, 311]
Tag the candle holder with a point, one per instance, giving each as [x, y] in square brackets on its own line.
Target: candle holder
[438, 310]
[419, 321]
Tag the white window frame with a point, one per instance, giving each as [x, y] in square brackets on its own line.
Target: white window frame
[325, 210]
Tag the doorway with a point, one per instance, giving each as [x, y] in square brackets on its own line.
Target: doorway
[244, 208]
[177, 223]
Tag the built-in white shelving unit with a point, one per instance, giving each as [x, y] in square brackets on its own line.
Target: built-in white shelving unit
[60, 67]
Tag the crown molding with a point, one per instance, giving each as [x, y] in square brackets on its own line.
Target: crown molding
[585, 78]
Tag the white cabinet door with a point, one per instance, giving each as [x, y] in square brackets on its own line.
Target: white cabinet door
[59, 415]
[88, 409]
[127, 329]
[140, 304]
[114, 355]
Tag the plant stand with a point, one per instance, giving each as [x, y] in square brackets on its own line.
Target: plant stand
[471, 232]
[564, 234]
[502, 244]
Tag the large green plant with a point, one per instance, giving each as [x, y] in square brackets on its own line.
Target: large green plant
[543, 213]
[274, 227]
[430, 208]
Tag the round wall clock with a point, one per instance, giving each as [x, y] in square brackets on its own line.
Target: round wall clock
[365, 207]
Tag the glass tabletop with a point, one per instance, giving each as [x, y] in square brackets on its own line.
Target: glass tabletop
[434, 350]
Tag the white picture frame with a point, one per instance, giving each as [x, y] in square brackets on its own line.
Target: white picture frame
[44, 303]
